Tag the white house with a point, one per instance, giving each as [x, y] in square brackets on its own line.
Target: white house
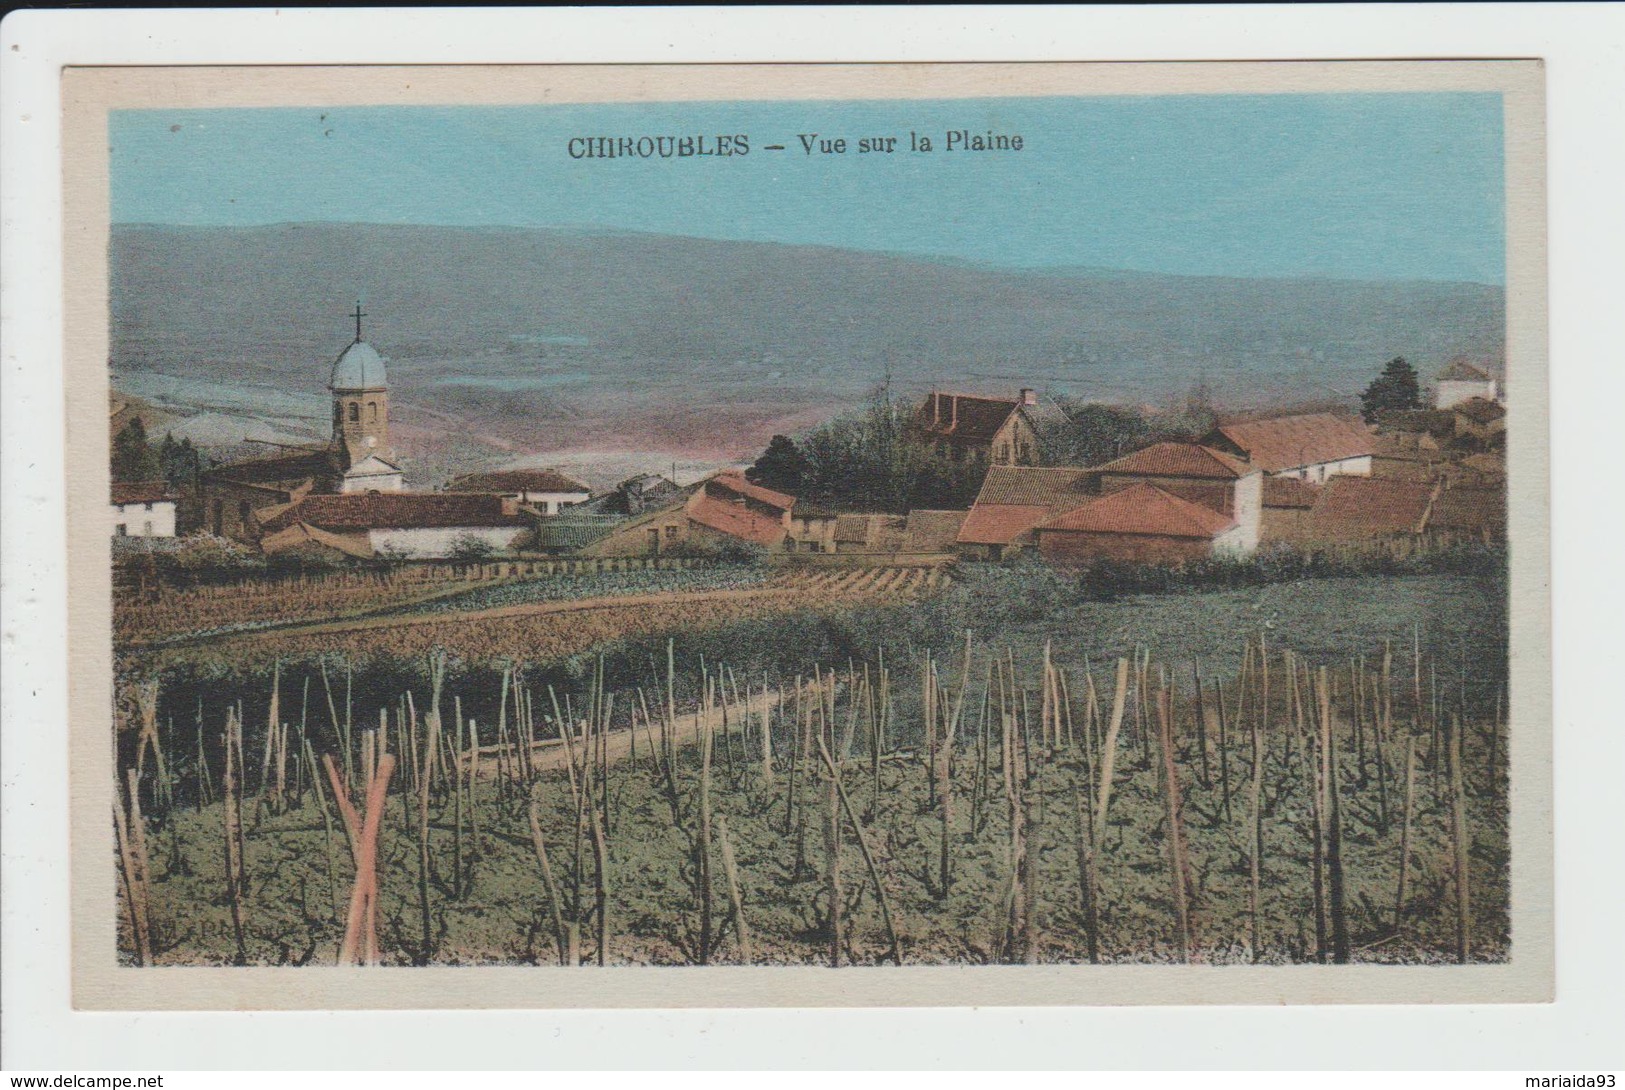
[410, 525]
[143, 509]
[546, 490]
[1310, 447]
[1460, 381]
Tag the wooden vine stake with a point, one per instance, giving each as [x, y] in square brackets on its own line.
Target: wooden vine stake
[1460, 843]
[360, 946]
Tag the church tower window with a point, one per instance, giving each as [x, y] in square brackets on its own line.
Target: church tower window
[372, 412]
[355, 412]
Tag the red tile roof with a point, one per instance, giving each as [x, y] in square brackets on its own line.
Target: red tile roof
[1178, 460]
[736, 520]
[1287, 442]
[735, 481]
[517, 480]
[1014, 499]
[964, 418]
[1289, 492]
[1461, 370]
[1356, 507]
[1141, 509]
[1469, 509]
[1044, 487]
[399, 511]
[141, 492]
[1000, 524]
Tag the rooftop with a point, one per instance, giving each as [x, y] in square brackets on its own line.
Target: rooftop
[734, 481]
[141, 492]
[1178, 460]
[1289, 492]
[1288, 442]
[400, 511]
[1461, 369]
[965, 418]
[518, 480]
[736, 520]
[1355, 507]
[1141, 509]
[1014, 499]
[359, 367]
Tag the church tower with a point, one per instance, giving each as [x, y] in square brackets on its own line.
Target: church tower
[360, 389]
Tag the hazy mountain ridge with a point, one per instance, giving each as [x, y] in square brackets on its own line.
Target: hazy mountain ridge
[550, 339]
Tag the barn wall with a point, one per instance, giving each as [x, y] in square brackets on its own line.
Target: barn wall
[1071, 546]
[1455, 391]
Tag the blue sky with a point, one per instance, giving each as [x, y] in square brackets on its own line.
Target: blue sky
[1360, 186]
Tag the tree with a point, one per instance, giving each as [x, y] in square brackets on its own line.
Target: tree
[1395, 390]
[781, 466]
[179, 462]
[1095, 433]
[470, 549]
[133, 456]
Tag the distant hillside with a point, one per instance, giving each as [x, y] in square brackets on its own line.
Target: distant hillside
[526, 341]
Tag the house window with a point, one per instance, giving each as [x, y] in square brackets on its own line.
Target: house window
[122, 530]
[146, 528]
[355, 413]
[148, 506]
[671, 531]
[372, 412]
[242, 512]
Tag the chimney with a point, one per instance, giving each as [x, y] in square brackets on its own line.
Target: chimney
[1029, 398]
[953, 421]
[936, 407]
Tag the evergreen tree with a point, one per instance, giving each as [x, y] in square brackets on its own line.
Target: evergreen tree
[133, 457]
[1395, 390]
[781, 466]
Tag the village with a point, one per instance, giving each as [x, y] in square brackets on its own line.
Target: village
[1413, 477]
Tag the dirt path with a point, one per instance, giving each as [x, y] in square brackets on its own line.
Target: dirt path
[551, 754]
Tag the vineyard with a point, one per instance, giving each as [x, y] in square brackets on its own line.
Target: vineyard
[545, 619]
[171, 613]
[963, 805]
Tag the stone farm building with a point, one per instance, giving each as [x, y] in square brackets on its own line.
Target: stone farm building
[1139, 524]
[724, 508]
[1016, 504]
[1461, 380]
[143, 509]
[404, 525]
[1311, 447]
[546, 490]
[986, 430]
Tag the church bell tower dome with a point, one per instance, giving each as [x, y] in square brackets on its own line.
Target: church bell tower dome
[359, 367]
[360, 389]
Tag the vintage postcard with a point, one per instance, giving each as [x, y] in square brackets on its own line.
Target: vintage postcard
[651, 535]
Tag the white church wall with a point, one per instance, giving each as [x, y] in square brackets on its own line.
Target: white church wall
[381, 482]
[156, 519]
[438, 542]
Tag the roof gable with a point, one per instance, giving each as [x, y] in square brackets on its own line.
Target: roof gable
[736, 520]
[965, 418]
[1178, 460]
[1350, 507]
[734, 481]
[1141, 509]
[400, 511]
[1288, 442]
[1461, 369]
